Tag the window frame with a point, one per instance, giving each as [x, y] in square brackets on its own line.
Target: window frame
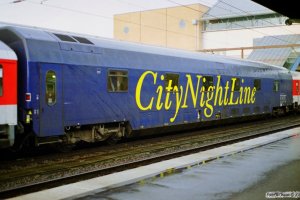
[176, 83]
[109, 82]
[254, 84]
[207, 84]
[237, 83]
[47, 95]
[65, 38]
[276, 89]
[82, 40]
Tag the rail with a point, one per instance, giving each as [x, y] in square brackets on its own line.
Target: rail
[33, 174]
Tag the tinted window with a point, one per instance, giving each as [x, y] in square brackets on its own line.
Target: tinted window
[257, 84]
[174, 79]
[50, 88]
[117, 81]
[276, 86]
[82, 40]
[1, 80]
[65, 38]
[209, 81]
[237, 84]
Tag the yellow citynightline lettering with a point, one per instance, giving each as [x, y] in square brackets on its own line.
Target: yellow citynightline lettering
[168, 95]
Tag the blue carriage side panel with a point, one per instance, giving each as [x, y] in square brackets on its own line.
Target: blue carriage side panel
[87, 100]
[82, 95]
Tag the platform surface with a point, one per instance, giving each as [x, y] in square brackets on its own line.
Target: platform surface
[144, 174]
[252, 174]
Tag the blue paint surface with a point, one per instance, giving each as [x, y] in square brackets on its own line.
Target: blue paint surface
[85, 99]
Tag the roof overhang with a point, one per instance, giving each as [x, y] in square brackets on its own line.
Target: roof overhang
[288, 8]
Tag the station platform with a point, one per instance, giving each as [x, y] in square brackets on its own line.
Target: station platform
[231, 174]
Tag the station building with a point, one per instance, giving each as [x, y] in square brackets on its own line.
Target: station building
[175, 27]
[226, 28]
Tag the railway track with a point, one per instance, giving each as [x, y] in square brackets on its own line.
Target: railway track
[33, 174]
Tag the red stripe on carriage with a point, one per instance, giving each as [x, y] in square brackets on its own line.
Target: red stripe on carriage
[9, 82]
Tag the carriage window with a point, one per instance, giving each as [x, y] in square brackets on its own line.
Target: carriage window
[237, 84]
[65, 38]
[257, 84]
[209, 81]
[50, 88]
[82, 40]
[276, 86]
[171, 77]
[117, 81]
[1, 81]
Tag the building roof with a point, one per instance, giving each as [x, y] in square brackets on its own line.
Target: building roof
[276, 56]
[233, 8]
[288, 8]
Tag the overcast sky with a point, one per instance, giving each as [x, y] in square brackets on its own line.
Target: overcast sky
[93, 17]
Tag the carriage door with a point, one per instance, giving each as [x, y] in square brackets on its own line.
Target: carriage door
[51, 107]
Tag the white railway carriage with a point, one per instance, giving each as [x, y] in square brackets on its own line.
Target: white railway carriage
[8, 95]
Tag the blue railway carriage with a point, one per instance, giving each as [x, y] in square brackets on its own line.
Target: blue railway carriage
[74, 88]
